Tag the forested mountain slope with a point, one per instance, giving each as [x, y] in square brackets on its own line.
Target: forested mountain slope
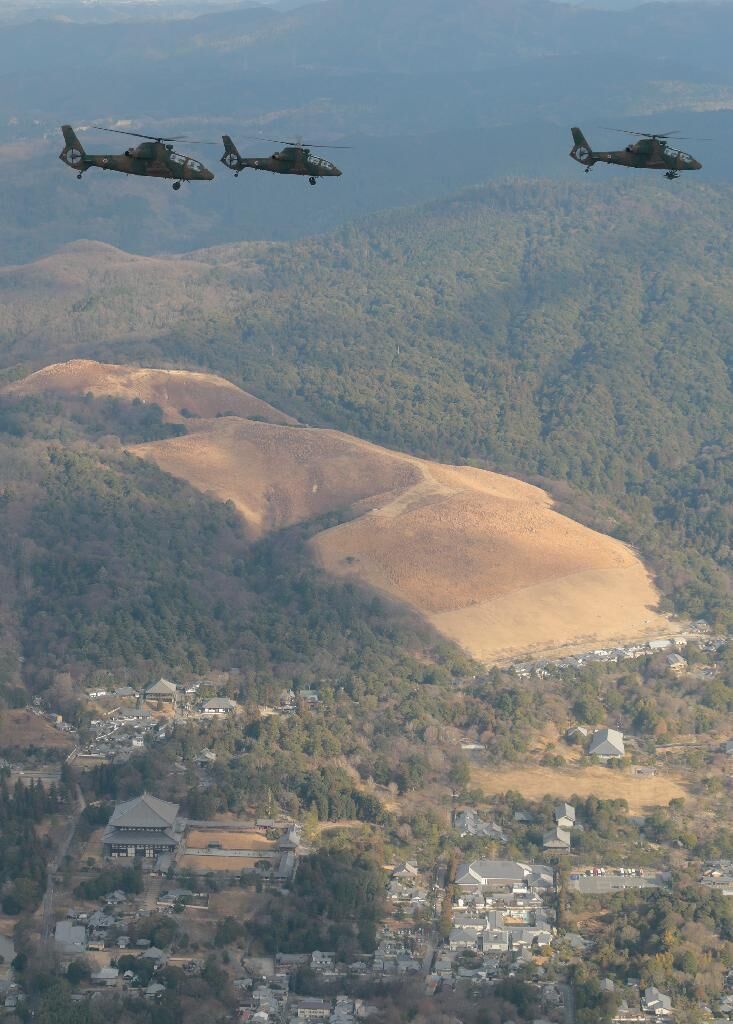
[110, 566]
[580, 334]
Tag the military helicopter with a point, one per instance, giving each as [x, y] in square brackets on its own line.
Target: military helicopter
[651, 151]
[154, 158]
[295, 158]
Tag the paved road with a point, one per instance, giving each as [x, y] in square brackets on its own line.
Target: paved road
[152, 886]
[427, 963]
[596, 884]
[568, 993]
[47, 914]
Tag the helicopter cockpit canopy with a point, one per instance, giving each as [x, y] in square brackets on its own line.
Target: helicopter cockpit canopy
[318, 161]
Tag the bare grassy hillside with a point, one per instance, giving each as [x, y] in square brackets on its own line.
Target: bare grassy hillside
[483, 556]
[176, 391]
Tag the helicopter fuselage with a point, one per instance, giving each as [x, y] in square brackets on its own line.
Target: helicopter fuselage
[664, 160]
[288, 161]
[150, 160]
[651, 153]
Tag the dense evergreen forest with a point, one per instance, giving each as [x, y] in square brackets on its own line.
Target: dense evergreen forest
[23, 853]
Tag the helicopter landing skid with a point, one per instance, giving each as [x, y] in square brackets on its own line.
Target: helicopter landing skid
[671, 175]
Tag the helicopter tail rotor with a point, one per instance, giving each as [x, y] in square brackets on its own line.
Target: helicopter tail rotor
[581, 150]
[231, 158]
[73, 152]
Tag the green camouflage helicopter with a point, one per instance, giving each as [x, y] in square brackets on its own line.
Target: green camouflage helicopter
[154, 158]
[651, 152]
[295, 158]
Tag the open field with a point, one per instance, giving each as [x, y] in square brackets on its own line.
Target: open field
[234, 865]
[198, 839]
[482, 556]
[641, 794]
[20, 729]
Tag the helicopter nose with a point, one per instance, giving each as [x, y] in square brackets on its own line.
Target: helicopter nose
[696, 165]
[208, 175]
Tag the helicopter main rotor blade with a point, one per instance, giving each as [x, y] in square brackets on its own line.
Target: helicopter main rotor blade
[288, 142]
[642, 135]
[139, 135]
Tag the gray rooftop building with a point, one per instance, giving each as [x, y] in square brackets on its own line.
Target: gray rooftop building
[606, 744]
[143, 827]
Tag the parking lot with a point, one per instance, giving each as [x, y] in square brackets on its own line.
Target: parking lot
[610, 882]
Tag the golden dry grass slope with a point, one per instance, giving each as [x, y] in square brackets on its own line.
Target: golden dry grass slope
[642, 793]
[484, 557]
[201, 394]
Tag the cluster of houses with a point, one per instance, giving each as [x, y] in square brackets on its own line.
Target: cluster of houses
[128, 723]
[546, 667]
[499, 911]
[406, 887]
[469, 823]
[669, 646]
[116, 736]
[272, 1002]
[391, 958]
[719, 876]
[289, 700]
[80, 933]
[166, 692]
[186, 696]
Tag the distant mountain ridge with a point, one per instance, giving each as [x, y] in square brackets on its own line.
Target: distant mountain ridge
[430, 97]
[385, 35]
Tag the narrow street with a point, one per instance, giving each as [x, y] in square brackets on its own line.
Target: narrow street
[427, 964]
[569, 1001]
[47, 914]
